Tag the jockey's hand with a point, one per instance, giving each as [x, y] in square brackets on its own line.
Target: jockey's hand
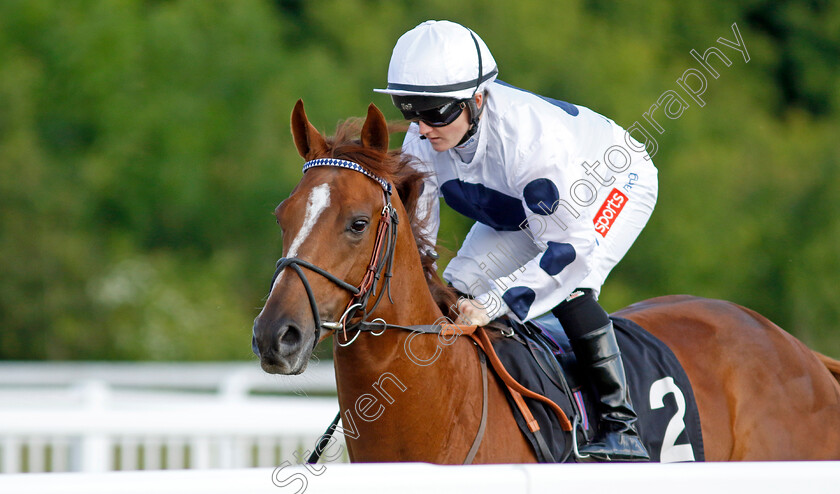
[471, 313]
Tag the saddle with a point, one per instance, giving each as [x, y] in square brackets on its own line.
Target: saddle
[539, 357]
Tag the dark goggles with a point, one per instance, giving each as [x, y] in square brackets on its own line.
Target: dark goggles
[439, 116]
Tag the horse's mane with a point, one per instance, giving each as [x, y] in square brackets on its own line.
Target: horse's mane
[399, 169]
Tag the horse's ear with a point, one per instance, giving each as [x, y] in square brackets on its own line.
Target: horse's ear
[375, 130]
[309, 142]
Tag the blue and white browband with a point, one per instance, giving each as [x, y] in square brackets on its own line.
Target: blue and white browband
[349, 165]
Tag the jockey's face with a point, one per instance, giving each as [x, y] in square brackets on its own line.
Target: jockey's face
[448, 136]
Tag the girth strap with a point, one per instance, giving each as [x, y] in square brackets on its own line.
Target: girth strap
[482, 425]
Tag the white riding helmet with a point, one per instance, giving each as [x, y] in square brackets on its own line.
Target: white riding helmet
[439, 59]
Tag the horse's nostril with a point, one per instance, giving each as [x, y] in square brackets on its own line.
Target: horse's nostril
[291, 338]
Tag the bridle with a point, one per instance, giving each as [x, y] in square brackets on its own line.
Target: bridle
[380, 265]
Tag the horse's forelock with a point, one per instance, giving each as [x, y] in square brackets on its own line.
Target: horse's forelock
[345, 144]
[393, 166]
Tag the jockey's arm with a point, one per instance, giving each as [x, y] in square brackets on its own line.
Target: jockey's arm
[561, 230]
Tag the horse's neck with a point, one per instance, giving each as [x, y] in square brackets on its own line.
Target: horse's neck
[423, 364]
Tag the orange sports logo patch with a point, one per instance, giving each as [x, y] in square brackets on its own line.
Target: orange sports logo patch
[609, 211]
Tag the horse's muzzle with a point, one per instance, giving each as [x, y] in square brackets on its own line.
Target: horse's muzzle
[281, 346]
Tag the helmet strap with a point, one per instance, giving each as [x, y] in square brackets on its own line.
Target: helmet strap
[475, 111]
[475, 114]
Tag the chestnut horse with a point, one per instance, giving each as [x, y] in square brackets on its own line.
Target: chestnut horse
[761, 394]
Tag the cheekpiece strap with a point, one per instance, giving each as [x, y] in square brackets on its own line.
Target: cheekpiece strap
[349, 165]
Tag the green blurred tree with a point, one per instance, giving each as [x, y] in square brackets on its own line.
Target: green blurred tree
[143, 145]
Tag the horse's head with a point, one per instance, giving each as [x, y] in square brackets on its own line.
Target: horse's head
[329, 225]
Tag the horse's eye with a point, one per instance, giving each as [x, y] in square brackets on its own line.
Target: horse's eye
[359, 226]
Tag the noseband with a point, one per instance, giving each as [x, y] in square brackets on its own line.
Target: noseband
[381, 261]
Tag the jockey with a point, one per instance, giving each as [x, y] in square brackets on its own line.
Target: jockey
[559, 193]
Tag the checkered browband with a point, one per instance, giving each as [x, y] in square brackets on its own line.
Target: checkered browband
[349, 165]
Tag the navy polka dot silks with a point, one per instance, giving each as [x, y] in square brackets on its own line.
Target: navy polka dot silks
[519, 299]
[541, 196]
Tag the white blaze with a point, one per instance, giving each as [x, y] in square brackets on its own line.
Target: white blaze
[319, 200]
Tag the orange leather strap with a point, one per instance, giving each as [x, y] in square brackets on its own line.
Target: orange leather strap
[481, 338]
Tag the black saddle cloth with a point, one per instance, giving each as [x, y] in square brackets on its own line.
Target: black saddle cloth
[669, 422]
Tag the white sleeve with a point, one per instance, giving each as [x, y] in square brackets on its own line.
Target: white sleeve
[428, 210]
[428, 206]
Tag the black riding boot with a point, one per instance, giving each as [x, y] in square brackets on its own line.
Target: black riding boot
[617, 438]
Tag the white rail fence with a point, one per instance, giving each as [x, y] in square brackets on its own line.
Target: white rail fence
[95, 417]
